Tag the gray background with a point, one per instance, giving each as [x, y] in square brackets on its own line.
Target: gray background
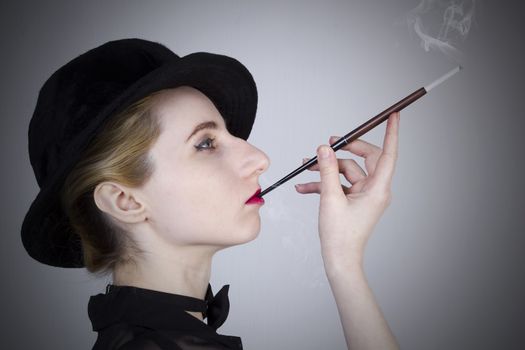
[445, 262]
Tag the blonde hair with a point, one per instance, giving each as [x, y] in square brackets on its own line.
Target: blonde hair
[119, 153]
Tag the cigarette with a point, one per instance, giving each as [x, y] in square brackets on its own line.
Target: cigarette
[367, 126]
[442, 79]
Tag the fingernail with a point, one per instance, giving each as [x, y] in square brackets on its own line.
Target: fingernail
[305, 160]
[323, 152]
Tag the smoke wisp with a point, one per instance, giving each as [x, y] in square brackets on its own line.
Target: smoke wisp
[442, 25]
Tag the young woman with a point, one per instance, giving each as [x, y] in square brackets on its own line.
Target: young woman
[145, 173]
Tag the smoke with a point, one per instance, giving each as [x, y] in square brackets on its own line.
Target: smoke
[296, 229]
[442, 25]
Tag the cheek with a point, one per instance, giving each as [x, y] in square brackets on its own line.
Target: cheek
[200, 209]
[202, 205]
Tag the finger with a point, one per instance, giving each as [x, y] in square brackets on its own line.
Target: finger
[387, 162]
[351, 170]
[390, 143]
[329, 170]
[310, 187]
[358, 147]
[361, 148]
[315, 187]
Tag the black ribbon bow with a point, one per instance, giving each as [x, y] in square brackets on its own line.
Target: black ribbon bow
[217, 307]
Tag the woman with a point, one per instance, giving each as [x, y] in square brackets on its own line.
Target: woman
[145, 173]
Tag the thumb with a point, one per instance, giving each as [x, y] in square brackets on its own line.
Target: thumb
[329, 170]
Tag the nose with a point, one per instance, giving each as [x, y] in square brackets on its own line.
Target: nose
[255, 161]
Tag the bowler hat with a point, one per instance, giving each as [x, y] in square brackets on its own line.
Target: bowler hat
[76, 101]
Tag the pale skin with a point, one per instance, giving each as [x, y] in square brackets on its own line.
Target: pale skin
[194, 205]
[347, 217]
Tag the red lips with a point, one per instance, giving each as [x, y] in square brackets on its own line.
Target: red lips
[255, 199]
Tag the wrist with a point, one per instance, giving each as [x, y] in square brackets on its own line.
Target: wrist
[351, 265]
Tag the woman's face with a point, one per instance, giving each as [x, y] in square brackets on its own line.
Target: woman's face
[202, 175]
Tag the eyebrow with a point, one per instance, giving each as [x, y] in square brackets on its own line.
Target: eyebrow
[202, 126]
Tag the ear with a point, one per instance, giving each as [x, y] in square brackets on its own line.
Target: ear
[120, 202]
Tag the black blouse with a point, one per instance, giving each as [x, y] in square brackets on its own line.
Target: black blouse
[132, 318]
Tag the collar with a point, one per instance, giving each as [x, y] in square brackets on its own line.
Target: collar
[155, 309]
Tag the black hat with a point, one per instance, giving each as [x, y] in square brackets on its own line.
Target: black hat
[78, 99]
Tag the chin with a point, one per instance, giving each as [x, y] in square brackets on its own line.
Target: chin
[244, 236]
[253, 235]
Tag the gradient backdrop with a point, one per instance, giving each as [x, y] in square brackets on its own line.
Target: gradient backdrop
[446, 261]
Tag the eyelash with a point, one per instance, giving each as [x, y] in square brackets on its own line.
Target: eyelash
[207, 140]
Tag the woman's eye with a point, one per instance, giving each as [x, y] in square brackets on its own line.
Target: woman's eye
[207, 143]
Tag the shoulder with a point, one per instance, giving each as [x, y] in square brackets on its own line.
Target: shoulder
[124, 337]
[158, 341]
[149, 341]
[141, 343]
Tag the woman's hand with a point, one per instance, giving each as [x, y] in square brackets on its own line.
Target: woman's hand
[348, 215]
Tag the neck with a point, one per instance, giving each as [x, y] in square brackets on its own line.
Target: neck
[183, 270]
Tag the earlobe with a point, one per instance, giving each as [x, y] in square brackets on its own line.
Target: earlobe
[119, 202]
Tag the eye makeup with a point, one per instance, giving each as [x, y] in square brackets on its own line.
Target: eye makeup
[207, 140]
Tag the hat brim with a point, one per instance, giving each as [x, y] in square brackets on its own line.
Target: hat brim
[46, 233]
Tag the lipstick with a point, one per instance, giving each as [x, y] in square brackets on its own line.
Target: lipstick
[255, 199]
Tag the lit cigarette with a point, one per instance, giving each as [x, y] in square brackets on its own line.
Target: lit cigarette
[442, 79]
[367, 126]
